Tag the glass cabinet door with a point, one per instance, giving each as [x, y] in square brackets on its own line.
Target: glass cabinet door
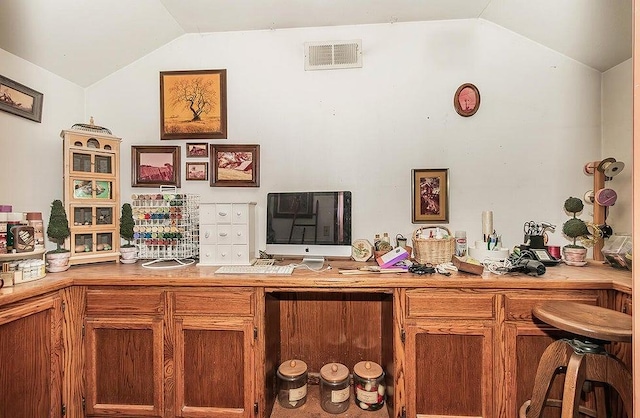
[92, 189]
[86, 162]
[92, 215]
[92, 242]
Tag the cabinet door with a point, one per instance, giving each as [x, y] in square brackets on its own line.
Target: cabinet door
[449, 369]
[31, 359]
[214, 367]
[124, 372]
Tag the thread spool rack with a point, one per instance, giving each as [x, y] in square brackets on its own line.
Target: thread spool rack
[166, 227]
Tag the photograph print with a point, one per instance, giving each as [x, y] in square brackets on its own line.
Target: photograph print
[20, 100]
[154, 166]
[235, 165]
[430, 202]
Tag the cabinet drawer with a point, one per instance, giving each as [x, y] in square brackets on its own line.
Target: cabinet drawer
[230, 301]
[208, 234]
[450, 305]
[110, 301]
[239, 234]
[519, 307]
[224, 234]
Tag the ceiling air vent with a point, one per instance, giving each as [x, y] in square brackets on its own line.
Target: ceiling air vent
[332, 55]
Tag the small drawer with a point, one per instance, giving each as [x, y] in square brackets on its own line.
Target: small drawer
[224, 234]
[111, 301]
[208, 254]
[223, 213]
[450, 305]
[207, 213]
[239, 234]
[239, 213]
[520, 307]
[232, 301]
[208, 234]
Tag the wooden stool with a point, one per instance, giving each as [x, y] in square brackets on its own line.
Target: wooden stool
[582, 358]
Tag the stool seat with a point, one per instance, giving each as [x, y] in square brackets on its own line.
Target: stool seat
[581, 359]
[586, 320]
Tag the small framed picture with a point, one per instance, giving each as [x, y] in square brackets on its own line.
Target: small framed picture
[20, 100]
[466, 100]
[197, 171]
[430, 203]
[154, 166]
[235, 165]
[197, 150]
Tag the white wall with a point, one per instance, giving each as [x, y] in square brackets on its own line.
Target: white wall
[617, 139]
[365, 129]
[31, 152]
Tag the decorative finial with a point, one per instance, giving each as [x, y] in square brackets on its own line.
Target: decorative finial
[91, 121]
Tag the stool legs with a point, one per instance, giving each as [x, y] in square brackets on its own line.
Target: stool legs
[580, 367]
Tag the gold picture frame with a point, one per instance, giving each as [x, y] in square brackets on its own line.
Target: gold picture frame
[430, 202]
[193, 104]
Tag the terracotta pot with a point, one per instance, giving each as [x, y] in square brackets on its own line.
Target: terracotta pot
[128, 255]
[57, 262]
[574, 256]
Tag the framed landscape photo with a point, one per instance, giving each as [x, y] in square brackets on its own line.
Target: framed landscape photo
[430, 202]
[197, 150]
[154, 166]
[197, 171]
[20, 100]
[193, 104]
[235, 165]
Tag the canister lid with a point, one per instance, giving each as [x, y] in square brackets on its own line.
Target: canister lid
[334, 372]
[34, 216]
[292, 368]
[368, 370]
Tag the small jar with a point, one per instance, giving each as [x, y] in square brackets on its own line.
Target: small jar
[334, 388]
[292, 384]
[368, 382]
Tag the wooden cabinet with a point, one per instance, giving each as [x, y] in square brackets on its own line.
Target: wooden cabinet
[449, 350]
[227, 233]
[124, 352]
[31, 358]
[214, 352]
[92, 193]
[525, 339]
[160, 353]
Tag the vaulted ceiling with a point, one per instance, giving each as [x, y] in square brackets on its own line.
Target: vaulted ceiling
[86, 40]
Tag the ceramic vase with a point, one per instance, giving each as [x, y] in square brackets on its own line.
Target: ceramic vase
[574, 256]
[128, 255]
[57, 262]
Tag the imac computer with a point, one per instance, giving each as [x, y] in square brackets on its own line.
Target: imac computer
[311, 225]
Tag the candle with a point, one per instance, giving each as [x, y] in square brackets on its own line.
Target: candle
[487, 224]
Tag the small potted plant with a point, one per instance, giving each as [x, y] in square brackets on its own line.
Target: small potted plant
[128, 251]
[58, 231]
[576, 229]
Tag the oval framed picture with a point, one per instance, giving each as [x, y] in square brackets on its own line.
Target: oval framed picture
[466, 100]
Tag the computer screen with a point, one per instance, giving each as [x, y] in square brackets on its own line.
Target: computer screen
[309, 224]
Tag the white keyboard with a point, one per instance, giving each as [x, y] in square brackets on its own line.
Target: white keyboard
[277, 270]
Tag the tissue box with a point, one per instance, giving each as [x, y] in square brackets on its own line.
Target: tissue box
[394, 256]
[615, 250]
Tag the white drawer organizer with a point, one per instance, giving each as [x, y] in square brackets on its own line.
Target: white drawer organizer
[227, 234]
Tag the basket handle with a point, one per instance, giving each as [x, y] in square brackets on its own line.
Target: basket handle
[417, 232]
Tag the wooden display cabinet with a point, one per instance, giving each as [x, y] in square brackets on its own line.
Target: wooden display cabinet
[92, 193]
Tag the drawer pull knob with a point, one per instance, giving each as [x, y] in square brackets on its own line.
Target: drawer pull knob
[222, 213]
[207, 234]
[223, 234]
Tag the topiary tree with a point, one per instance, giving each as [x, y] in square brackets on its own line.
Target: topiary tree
[126, 225]
[575, 227]
[58, 228]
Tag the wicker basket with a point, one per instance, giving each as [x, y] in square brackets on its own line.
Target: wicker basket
[431, 250]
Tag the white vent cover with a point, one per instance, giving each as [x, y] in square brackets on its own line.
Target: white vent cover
[332, 55]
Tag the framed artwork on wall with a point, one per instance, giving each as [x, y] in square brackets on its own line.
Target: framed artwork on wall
[154, 166]
[20, 100]
[197, 150]
[430, 202]
[193, 104]
[466, 100]
[235, 165]
[197, 171]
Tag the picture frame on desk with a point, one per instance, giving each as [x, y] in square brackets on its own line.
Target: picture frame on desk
[154, 166]
[430, 195]
[20, 100]
[193, 104]
[235, 165]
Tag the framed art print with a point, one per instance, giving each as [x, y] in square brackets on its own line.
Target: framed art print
[466, 100]
[197, 171]
[430, 203]
[20, 100]
[154, 166]
[235, 165]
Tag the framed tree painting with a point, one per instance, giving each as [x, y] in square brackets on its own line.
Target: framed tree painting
[193, 104]
[155, 166]
[430, 202]
[235, 165]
